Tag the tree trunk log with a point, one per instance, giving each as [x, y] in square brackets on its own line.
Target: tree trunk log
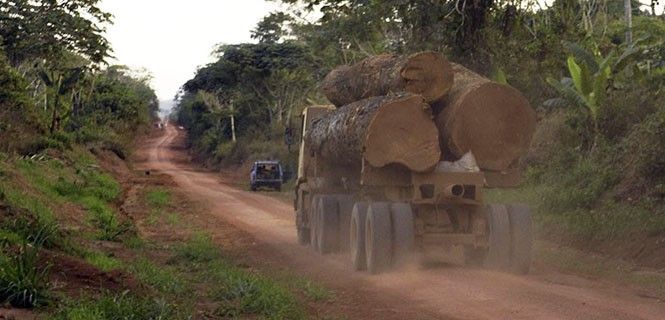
[384, 130]
[427, 73]
[494, 121]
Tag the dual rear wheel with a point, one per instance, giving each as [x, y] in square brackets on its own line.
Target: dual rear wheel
[380, 235]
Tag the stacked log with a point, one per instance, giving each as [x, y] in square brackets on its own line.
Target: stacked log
[473, 114]
[492, 120]
[427, 73]
[384, 130]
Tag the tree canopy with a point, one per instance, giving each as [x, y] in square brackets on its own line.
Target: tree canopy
[47, 28]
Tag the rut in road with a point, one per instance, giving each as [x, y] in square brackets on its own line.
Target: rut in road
[444, 292]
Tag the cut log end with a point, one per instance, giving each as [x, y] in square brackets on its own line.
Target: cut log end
[419, 78]
[403, 132]
[493, 121]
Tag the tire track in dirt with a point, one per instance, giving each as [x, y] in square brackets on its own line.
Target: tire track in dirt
[436, 293]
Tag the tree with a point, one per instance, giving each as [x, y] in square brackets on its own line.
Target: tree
[46, 28]
[272, 28]
[629, 21]
[217, 107]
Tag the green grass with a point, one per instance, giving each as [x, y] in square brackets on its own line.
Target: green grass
[163, 278]
[313, 291]
[158, 198]
[103, 261]
[595, 266]
[34, 221]
[239, 293]
[123, 306]
[82, 184]
[135, 242]
[173, 219]
[607, 220]
[23, 281]
[109, 227]
[199, 249]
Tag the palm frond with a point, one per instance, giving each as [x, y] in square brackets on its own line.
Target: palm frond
[567, 92]
[583, 55]
[556, 103]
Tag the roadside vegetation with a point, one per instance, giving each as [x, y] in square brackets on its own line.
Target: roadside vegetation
[595, 172]
[69, 248]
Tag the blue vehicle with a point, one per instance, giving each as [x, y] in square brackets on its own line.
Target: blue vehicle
[266, 173]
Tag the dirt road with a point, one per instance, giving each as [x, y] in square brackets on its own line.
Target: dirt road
[435, 293]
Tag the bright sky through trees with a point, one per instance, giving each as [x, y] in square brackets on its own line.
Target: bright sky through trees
[171, 38]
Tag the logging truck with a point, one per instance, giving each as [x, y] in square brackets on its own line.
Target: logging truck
[386, 217]
[397, 177]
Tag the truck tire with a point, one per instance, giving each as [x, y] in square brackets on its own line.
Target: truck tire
[357, 236]
[521, 238]
[327, 224]
[498, 254]
[252, 187]
[403, 233]
[303, 231]
[378, 237]
[313, 223]
[345, 205]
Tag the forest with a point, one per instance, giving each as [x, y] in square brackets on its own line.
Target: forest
[595, 171]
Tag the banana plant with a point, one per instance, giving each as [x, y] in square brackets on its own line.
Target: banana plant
[60, 83]
[589, 80]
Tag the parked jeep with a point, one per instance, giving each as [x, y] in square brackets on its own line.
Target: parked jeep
[266, 174]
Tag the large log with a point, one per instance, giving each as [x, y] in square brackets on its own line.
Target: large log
[427, 73]
[384, 130]
[494, 121]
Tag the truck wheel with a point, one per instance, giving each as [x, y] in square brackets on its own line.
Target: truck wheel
[378, 237]
[327, 224]
[303, 236]
[403, 233]
[345, 205]
[278, 188]
[313, 223]
[357, 236]
[498, 255]
[303, 231]
[521, 238]
[252, 187]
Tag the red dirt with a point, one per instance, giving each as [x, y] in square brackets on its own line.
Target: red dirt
[443, 292]
[74, 276]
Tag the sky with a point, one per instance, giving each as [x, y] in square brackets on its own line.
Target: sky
[172, 38]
